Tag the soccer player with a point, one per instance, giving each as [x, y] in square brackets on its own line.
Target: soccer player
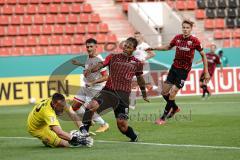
[143, 56]
[43, 123]
[94, 83]
[223, 59]
[185, 45]
[122, 68]
[213, 60]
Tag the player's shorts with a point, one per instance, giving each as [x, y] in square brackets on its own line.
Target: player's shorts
[113, 100]
[47, 136]
[85, 94]
[177, 76]
[202, 77]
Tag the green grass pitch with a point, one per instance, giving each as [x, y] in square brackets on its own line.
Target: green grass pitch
[203, 130]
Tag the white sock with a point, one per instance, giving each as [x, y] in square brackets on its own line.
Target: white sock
[98, 119]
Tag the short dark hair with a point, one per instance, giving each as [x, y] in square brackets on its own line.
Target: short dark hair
[58, 96]
[133, 41]
[220, 52]
[91, 40]
[188, 21]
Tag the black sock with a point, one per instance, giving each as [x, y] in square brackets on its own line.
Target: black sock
[174, 108]
[87, 119]
[130, 133]
[166, 111]
[205, 90]
[166, 97]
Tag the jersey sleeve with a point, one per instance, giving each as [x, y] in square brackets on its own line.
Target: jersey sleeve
[100, 59]
[107, 60]
[50, 118]
[173, 42]
[139, 71]
[217, 60]
[198, 46]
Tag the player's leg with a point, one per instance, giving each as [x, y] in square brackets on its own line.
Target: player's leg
[203, 85]
[78, 102]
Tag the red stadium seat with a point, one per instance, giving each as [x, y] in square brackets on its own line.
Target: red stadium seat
[219, 23]
[35, 30]
[7, 42]
[191, 5]
[12, 2]
[2, 2]
[180, 5]
[19, 9]
[55, 40]
[64, 49]
[38, 19]
[47, 29]
[52, 50]
[15, 51]
[200, 13]
[2, 31]
[92, 28]
[76, 8]
[39, 50]
[4, 20]
[64, 8]
[23, 30]
[87, 8]
[81, 29]
[84, 18]
[236, 43]
[209, 23]
[58, 29]
[42, 9]
[79, 1]
[125, 6]
[67, 40]
[69, 29]
[53, 9]
[57, 1]
[27, 19]
[20, 41]
[61, 19]
[75, 49]
[236, 33]
[227, 33]
[4, 51]
[46, 1]
[100, 48]
[44, 40]
[31, 9]
[218, 34]
[31, 41]
[34, 2]
[101, 38]
[95, 18]
[73, 19]
[15, 20]
[68, 1]
[112, 38]
[78, 39]
[23, 2]
[7, 9]
[28, 51]
[50, 19]
[103, 28]
[12, 30]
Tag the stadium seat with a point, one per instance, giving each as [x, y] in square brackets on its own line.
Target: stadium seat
[79, 1]
[236, 33]
[209, 23]
[61, 19]
[92, 28]
[87, 8]
[221, 13]
[52, 50]
[201, 4]
[39, 50]
[95, 18]
[27, 51]
[84, 18]
[69, 29]
[218, 34]
[72, 18]
[64, 8]
[68, 1]
[58, 29]
[191, 5]
[57, 1]
[4, 20]
[238, 22]
[211, 4]
[238, 12]
[227, 33]
[64, 49]
[20, 41]
[101, 38]
[19, 9]
[232, 3]
[42, 9]
[200, 13]
[100, 48]
[44, 40]
[78, 39]
[210, 13]
[222, 4]
[6, 9]
[38, 19]
[125, 7]
[35, 30]
[53, 9]
[11, 2]
[230, 22]
[50, 19]
[67, 40]
[4, 51]
[112, 38]
[46, 1]
[47, 29]
[219, 23]
[231, 13]
[31, 41]
[236, 43]
[34, 1]
[2, 31]
[76, 8]
[12, 30]
[27, 19]
[15, 20]
[81, 29]
[15, 51]
[75, 49]
[31, 9]
[24, 2]
[180, 5]
[55, 40]
[103, 28]
[7, 42]
[23, 30]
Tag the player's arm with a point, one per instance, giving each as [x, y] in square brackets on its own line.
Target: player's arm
[73, 115]
[205, 66]
[99, 80]
[141, 83]
[61, 134]
[77, 63]
[150, 54]
[198, 61]
[160, 48]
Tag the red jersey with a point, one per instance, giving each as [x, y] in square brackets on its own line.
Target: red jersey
[185, 48]
[122, 69]
[213, 60]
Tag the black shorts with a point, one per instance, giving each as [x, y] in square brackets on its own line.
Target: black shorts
[177, 76]
[118, 101]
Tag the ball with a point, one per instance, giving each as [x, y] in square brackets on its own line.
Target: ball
[32, 100]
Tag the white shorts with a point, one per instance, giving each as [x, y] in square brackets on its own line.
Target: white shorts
[85, 94]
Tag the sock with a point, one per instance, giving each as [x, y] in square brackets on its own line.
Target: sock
[98, 119]
[87, 119]
[205, 90]
[166, 111]
[130, 133]
[174, 108]
[166, 97]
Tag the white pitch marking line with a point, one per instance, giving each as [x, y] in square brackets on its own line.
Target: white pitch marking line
[144, 143]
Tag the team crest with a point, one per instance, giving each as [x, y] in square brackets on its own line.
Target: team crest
[178, 41]
[189, 43]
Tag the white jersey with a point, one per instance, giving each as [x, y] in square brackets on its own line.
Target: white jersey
[90, 62]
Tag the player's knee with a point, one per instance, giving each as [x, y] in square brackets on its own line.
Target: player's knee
[173, 92]
[76, 105]
[93, 105]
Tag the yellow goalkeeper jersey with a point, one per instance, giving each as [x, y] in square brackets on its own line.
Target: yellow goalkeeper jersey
[42, 115]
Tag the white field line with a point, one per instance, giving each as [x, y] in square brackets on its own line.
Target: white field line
[149, 144]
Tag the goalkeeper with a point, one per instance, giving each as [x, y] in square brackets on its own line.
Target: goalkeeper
[43, 123]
